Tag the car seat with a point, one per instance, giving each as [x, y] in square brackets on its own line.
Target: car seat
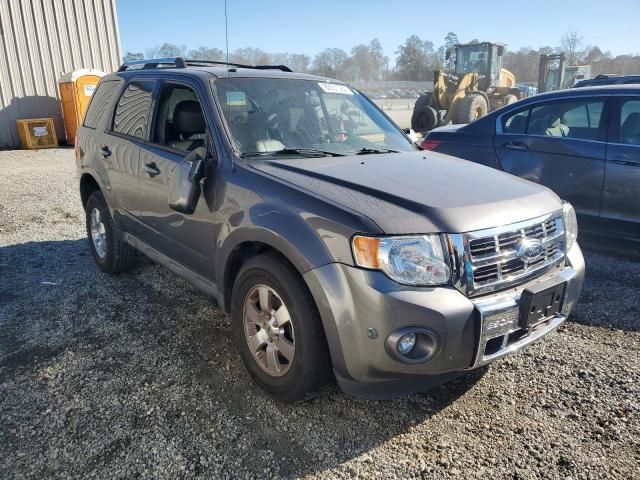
[630, 129]
[555, 127]
[189, 126]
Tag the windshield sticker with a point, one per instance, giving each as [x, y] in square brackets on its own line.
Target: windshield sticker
[236, 99]
[335, 88]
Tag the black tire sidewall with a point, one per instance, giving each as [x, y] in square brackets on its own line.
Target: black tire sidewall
[294, 384]
[97, 200]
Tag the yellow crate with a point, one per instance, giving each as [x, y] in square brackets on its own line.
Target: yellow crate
[37, 133]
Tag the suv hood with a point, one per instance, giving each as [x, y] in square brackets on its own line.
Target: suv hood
[417, 192]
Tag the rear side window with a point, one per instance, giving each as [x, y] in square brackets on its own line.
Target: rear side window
[101, 100]
[574, 119]
[630, 122]
[133, 110]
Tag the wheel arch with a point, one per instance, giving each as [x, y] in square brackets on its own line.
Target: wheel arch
[245, 250]
[88, 185]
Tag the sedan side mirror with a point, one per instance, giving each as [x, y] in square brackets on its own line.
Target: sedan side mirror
[184, 184]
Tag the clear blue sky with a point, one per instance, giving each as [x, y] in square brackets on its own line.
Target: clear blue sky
[308, 27]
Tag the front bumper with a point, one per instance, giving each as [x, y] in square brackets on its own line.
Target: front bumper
[353, 303]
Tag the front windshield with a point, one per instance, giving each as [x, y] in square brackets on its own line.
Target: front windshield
[472, 59]
[267, 115]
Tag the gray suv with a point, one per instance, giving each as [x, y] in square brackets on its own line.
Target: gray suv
[338, 248]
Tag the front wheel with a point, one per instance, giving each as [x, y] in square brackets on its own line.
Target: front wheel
[470, 108]
[277, 329]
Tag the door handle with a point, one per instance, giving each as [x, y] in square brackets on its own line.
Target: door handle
[522, 147]
[106, 152]
[151, 169]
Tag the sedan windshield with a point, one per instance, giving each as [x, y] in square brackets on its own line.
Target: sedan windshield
[268, 116]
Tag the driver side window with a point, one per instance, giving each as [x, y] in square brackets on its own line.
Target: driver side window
[180, 122]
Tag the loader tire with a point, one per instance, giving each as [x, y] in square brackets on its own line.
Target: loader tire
[424, 117]
[470, 108]
[509, 99]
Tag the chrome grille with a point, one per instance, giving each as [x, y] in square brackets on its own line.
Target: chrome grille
[487, 260]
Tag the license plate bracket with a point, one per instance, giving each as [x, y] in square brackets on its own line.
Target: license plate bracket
[540, 302]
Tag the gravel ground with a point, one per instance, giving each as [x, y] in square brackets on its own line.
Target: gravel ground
[134, 375]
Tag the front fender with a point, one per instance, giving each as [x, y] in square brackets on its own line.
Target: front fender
[307, 241]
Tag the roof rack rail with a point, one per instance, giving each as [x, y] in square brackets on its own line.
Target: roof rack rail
[169, 62]
[179, 62]
[197, 63]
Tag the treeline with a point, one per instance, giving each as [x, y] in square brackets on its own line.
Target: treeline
[525, 62]
[415, 60]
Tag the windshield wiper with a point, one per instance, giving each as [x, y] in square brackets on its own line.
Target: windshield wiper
[367, 151]
[313, 152]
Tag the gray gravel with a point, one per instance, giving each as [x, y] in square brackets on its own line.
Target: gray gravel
[134, 375]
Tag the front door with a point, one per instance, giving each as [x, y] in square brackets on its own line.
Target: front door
[621, 199]
[179, 126]
[561, 145]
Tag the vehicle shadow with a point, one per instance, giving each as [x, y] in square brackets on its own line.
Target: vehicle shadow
[140, 362]
[141, 366]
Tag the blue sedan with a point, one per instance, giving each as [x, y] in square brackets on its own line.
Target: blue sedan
[584, 144]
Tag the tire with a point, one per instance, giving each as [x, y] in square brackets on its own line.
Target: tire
[309, 366]
[470, 108]
[509, 99]
[424, 117]
[110, 252]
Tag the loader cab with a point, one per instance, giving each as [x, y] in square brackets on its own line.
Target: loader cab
[484, 58]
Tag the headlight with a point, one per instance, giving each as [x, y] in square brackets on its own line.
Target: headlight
[570, 224]
[415, 260]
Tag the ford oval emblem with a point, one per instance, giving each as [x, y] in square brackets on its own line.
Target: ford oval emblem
[530, 249]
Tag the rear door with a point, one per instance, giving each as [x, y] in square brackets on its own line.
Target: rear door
[559, 144]
[179, 126]
[121, 146]
[621, 199]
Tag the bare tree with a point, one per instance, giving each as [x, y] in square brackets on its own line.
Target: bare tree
[167, 50]
[298, 62]
[330, 63]
[130, 56]
[206, 53]
[571, 43]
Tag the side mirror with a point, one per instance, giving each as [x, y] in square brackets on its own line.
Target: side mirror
[184, 184]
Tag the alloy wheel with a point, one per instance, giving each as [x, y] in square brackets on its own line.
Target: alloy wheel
[98, 233]
[268, 330]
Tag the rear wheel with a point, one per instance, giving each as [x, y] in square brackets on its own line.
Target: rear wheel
[277, 329]
[509, 99]
[109, 251]
[470, 108]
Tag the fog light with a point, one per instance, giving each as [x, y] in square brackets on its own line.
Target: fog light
[413, 344]
[406, 343]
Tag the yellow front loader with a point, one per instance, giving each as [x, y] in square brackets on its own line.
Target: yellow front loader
[478, 84]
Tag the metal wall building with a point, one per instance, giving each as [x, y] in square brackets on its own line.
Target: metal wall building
[39, 41]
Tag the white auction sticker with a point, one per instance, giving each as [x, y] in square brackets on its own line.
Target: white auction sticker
[335, 88]
[40, 131]
[88, 90]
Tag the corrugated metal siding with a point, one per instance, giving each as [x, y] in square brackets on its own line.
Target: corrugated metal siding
[39, 41]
